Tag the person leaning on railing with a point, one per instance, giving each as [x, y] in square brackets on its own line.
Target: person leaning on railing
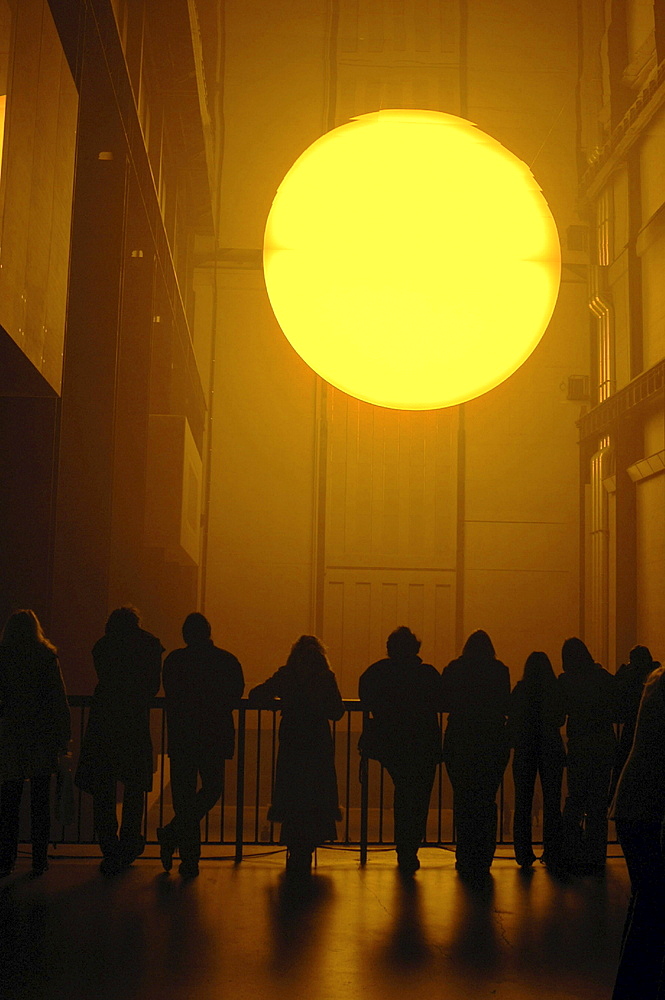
[305, 798]
[588, 695]
[117, 746]
[535, 717]
[475, 694]
[34, 733]
[403, 695]
[203, 684]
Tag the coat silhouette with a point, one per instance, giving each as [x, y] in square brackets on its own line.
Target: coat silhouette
[535, 717]
[117, 746]
[630, 680]
[403, 695]
[475, 693]
[203, 684]
[34, 732]
[588, 699]
[305, 798]
[639, 812]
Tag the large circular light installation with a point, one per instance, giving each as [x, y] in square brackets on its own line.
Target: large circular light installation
[411, 260]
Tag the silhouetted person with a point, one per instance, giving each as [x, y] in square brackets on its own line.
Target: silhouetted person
[34, 732]
[588, 697]
[202, 684]
[117, 746]
[305, 799]
[630, 680]
[475, 693]
[639, 811]
[535, 717]
[403, 695]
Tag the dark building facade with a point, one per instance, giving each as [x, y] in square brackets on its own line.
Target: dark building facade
[107, 322]
[622, 436]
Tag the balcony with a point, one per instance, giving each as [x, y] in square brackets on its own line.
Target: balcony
[240, 821]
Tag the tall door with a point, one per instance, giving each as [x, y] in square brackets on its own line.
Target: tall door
[390, 544]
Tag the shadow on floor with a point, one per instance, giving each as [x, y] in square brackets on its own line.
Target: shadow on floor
[347, 934]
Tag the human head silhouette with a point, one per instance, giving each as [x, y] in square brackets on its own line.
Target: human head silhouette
[402, 643]
[308, 653]
[538, 669]
[479, 646]
[124, 619]
[23, 629]
[575, 655]
[195, 628]
[640, 657]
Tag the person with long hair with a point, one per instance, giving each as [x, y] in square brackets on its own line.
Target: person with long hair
[34, 733]
[305, 798]
[117, 746]
[588, 696]
[535, 717]
[475, 693]
[402, 694]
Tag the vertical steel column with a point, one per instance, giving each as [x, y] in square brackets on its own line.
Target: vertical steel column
[364, 801]
[364, 804]
[240, 785]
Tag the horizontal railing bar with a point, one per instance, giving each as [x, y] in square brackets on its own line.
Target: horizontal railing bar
[249, 779]
[85, 701]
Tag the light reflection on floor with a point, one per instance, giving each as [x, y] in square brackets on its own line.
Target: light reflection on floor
[242, 932]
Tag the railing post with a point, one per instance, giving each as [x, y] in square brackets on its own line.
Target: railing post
[364, 808]
[240, 785]
[364, 803]
[501, 806]
[77, 829]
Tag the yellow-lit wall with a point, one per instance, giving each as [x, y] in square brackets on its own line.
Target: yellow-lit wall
[327, 514]
[36, 195]
[259, 587]
[522, 494]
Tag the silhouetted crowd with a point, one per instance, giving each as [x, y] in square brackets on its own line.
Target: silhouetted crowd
[403, 700]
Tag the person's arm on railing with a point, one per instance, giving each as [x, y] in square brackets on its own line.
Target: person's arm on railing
[264, 694]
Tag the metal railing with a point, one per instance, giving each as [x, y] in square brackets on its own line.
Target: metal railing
[240, 817]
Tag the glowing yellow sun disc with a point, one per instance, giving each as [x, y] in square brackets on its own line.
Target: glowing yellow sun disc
[411, 260]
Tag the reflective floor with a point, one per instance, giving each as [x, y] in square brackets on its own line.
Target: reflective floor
[241, 932]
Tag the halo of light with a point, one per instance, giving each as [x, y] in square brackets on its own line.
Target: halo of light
[411, 260]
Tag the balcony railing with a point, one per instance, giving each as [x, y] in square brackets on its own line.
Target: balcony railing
[240, 817]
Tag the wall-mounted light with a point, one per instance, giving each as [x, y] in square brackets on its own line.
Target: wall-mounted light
[411, 260]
